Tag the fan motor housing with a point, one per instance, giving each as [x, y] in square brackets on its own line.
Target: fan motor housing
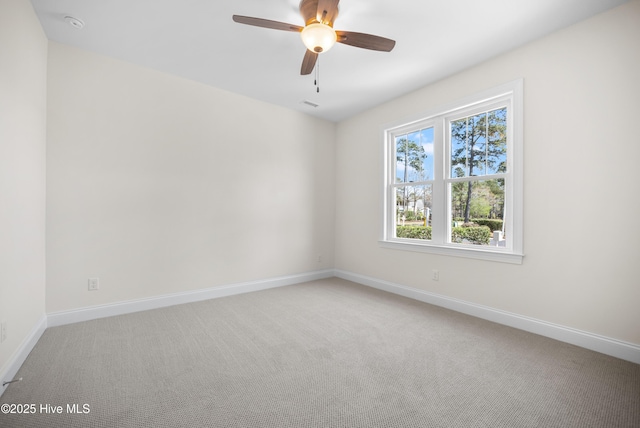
[309, 12]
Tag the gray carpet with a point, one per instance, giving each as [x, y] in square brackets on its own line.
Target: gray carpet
[327, 353]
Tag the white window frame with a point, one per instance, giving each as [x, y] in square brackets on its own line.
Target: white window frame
[509, 95]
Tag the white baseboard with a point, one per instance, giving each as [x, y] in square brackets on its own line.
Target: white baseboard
[127, 307]
[605, 345]
[616, 348]
[120, 308]
[16, 360]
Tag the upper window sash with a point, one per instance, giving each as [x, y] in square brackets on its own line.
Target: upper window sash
[502, 102]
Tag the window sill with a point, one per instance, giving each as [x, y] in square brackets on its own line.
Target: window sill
[456, 251]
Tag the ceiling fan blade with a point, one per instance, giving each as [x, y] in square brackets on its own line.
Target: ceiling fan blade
[365, 41]
[266, 23]
[327, 11]
[308, 62]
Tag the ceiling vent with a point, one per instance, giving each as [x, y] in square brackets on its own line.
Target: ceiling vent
[74, 22]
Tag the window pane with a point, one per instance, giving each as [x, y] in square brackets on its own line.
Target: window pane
[426, 141]
[413, 211]
[459, 148]
[479, 144]
[497, 144]
[477, 209]
[414, 156]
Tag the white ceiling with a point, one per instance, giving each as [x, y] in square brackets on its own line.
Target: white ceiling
[198, 40]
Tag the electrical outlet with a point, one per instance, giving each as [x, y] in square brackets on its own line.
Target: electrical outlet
[319, 259]
[435, 275]
[3, 331]
[94, 284]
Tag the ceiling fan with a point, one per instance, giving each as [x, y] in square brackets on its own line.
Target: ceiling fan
[318, 34]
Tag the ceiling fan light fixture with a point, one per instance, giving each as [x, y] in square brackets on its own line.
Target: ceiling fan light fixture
[318, 37]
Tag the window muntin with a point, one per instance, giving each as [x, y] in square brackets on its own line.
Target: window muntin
[454, 170]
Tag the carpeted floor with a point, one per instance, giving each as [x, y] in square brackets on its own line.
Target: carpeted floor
[327, 353]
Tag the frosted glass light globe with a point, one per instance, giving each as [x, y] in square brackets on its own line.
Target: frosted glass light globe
[318, 37]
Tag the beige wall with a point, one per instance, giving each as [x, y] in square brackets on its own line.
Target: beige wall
[161, 185]
[23, 68]
[581, 265]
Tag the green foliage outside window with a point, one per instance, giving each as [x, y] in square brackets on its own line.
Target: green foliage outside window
[479, 235]
[413, 232]
[475, 235]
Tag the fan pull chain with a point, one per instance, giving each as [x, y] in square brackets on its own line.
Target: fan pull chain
[317, 80]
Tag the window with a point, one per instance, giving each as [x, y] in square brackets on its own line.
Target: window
[453, 179]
